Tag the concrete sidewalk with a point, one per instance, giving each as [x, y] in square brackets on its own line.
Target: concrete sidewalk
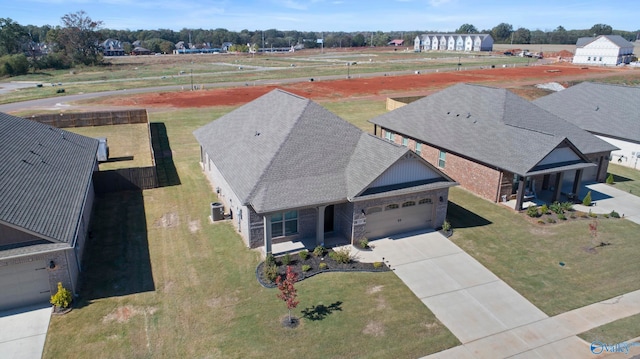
[490, 318]
[606, 198]
[23, 332]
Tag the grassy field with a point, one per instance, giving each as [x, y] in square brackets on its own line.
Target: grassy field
[618, 331]
[625, 178]
[526, 255]
[161, 281]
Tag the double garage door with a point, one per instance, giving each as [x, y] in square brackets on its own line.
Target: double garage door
[24, 284]
[385, 221]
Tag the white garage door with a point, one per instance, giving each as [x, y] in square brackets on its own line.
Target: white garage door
[398, 218]
[24, 284]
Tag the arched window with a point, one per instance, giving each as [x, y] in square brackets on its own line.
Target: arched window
[391, 206]
[409, 204]
[425, 201]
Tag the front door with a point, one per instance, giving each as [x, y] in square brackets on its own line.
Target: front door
[328, 219]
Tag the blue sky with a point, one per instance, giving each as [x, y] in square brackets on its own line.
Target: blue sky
[330, 15]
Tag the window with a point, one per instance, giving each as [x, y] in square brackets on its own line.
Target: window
[600, 58]
[425, 201]
[409, 204]
[418, 148]
[589, 58]
[441, 159]
[405, 141]
[390, 136]
[284, 224]
[391, 206]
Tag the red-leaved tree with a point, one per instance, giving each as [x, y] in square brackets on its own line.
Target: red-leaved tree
[288, 292]
[593, 228]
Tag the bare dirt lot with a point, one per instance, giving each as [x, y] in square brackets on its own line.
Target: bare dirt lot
[383, 86]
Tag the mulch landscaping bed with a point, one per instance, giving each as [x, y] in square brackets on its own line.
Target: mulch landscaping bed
[314, 261]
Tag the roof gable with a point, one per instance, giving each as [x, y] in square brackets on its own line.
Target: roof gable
[45, 174]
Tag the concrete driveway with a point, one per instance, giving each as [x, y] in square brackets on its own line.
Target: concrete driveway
[465, 296]
[23, 332]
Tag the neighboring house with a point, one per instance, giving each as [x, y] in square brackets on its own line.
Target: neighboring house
[288, 169]
[46, 197]
[497, 144]
[226, 46]
[603, 50]
[453, 42]
[396, 42]
[111, 47]
[140, 51]
[611, 112]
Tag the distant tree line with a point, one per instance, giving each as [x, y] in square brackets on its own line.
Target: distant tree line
[78, 41]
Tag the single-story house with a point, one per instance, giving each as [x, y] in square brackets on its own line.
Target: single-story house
[287, 169]
[603, 50]
[396, 42]
[46, 197]
[611, 112]
[453, 42]
[497, 144]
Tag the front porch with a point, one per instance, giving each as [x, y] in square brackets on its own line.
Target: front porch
[540, 198]
[309, 243]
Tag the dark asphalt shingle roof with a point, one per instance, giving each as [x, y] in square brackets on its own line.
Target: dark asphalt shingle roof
[283, 151]
[609, 110]
[45, 173]
[490, 125]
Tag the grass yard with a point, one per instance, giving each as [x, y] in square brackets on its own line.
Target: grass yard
[129, 144]
[625, 178]
[527, 255]
[161, 281]
[357, 112]
[618, 331]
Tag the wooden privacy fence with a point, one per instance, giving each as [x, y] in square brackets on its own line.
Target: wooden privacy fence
[125, 179]
[85, 119]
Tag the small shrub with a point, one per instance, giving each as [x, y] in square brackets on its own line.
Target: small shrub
[446, 226]
[541, 221]
[62, 298]
[306, 267]
[610, 178]
[364, 243]
[573, 216]
[271, 272]
[606, 215]
[319, 251]
[614, 214]
[584, 215]
[323, 266]
[587, 199]
[556, 208]
[566, 206]
[544, 209]
[551, 220]
[270, 260]
[304, 254]
[532, 211]
[341, 255]
[377, 265]
[592, 215]
[562, 217]
[286, 259]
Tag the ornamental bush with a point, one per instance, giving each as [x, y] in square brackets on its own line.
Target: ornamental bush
[587, 199]
[62, 299]
[304, 254]
[610, 178]
[532, 211]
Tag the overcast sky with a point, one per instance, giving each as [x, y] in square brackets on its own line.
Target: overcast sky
[330, 15]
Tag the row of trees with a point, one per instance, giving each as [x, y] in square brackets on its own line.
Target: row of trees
[77, 41]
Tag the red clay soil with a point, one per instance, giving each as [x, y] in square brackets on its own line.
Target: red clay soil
[363, 87]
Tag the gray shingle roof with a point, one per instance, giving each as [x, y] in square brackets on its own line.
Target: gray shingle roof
[490, 125]
[283, 151]
[610, 110]
[45, 173]
[616, 39]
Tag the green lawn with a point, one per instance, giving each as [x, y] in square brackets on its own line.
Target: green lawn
[526, 255]
[625, 178]
[357, 112]
[618, 331]
[161, 281]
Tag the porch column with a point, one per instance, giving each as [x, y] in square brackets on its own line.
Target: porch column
[520, 193]
[557, 187]
[320, 226]
[576, 183]
[267, 233]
